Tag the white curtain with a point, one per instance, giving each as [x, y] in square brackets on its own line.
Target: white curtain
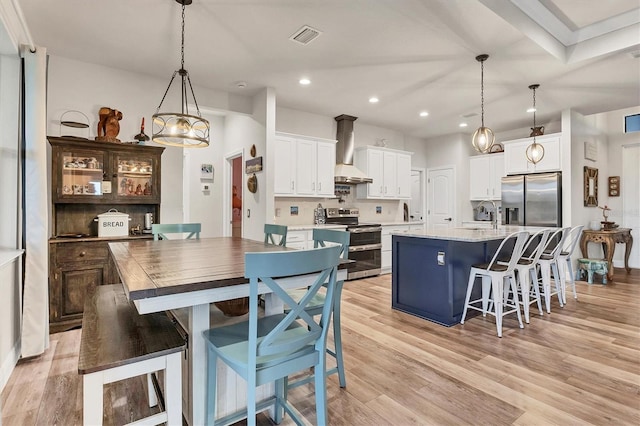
[35, 319]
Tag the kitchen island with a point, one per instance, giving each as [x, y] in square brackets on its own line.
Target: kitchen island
[430, 269]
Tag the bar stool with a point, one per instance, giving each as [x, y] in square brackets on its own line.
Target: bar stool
[494, 283]
[565, 258]
[526, 277]
[548, 263]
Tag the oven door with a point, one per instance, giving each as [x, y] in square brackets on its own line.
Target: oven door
[368, 260]
[364, 236]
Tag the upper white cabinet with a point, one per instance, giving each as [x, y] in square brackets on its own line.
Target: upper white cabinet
[485, 176]
[515, 155]
[390, 170]
[304, 166]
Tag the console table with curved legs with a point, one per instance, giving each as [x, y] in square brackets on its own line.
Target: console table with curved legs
[608, 239]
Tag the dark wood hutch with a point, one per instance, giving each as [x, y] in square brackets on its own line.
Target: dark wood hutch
[89, 178]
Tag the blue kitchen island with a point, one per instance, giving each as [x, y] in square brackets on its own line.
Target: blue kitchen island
[430, 269]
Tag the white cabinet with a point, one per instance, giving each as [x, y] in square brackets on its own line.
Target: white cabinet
[390, 170]
[299, 239]
[485, 176]
[515, 154]
[387, 231]
[304, 166]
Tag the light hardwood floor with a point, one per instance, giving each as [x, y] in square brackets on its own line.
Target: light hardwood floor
[578, 365]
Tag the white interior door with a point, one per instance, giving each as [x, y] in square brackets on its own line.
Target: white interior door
[416, 205]
[441, 198]
[631, 204]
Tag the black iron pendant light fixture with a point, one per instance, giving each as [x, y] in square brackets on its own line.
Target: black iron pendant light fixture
[181, 129]
[535, 151]
[483, 137]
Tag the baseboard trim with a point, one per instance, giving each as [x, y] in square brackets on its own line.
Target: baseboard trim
[8, 364]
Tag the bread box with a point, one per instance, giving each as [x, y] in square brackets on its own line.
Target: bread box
[113, 224]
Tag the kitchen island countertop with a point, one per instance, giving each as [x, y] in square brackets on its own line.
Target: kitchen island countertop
[470, 234]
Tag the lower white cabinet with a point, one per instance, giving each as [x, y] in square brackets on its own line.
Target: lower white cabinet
[300, 239]
[387, 231]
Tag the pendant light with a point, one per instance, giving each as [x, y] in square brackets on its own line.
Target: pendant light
[483, 137]
[181, 129]
[535, 151]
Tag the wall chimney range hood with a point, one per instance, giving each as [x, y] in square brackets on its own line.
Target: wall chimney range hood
[346, 173]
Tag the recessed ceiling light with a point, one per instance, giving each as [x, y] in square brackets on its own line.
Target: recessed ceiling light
[305, 81]
[531, 110]
[374, 100]
[462, 124]
[424, 114]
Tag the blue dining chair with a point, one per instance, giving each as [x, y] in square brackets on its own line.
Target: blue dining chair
[270, 230]
[268, 349]
[160, 230]
[322, 237]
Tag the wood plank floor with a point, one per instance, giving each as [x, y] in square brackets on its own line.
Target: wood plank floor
[578, 365]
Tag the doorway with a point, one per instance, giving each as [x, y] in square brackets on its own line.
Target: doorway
[441, 209]
[416, 204]
[233, 195]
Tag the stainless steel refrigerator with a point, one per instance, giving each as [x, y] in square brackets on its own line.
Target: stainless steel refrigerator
[532, 200]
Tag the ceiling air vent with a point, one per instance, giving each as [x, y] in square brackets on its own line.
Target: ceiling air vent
[305, 35]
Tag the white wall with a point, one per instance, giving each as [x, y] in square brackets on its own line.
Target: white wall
[453, 150]
[583, 129]
[612, 123]
[200, 206]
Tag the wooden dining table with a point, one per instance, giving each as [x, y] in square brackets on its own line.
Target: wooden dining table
[192, 274]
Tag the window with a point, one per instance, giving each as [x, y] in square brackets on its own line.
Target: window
[632, 123]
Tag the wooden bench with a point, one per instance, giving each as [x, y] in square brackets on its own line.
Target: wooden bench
[591, 266]
[118, 343]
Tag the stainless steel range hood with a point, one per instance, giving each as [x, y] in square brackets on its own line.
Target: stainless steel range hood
[346, 172]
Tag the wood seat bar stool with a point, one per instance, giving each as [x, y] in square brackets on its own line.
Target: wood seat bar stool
[322, 238]
[269, 348]
[272, 232]
[498, 282]
[160, 230]
[117, 343]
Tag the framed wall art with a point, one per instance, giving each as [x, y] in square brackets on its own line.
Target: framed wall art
[206, 171]
[591, 150]
[590, 187]
[253, 165]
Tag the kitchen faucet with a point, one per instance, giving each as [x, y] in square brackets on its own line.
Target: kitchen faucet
[493, 214]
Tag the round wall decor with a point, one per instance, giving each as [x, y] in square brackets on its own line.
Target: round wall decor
[252, 183]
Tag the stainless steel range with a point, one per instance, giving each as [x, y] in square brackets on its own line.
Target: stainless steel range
[365, 242]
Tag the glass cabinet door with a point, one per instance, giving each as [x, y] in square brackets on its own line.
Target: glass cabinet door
[81, 174]
[134, 176]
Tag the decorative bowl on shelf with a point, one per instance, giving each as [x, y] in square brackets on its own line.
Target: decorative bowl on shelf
[233, 307]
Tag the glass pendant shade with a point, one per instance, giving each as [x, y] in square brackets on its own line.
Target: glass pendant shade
[483, 139]
[535, 151]
[181, 129]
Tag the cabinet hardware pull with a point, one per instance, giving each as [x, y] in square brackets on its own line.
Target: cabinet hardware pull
[83, 253]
